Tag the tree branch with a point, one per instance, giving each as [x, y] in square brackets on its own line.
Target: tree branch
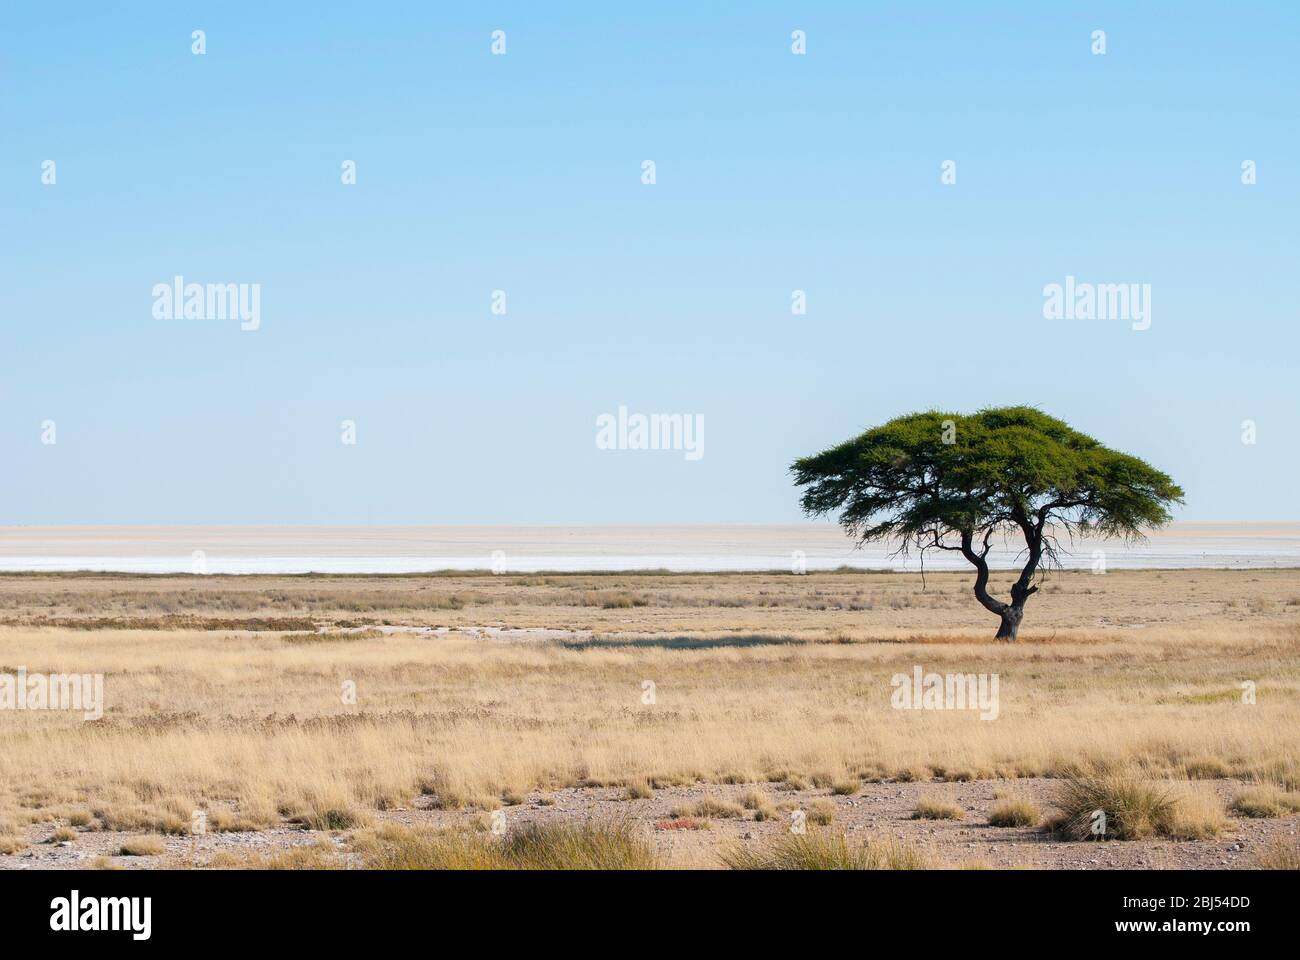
[981, 570]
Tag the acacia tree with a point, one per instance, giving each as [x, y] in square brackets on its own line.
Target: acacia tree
[944, 481]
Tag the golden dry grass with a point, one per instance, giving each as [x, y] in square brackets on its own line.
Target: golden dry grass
[761, 805]
[756, 678]
[1123, 805]
[589, 846]
[1279, 855]
[821, 812]
[1266, 800]
[708, 808]
[932, 808]
[1014, 812]
[639, 789]
[605, 845]
[824, 850]
[145, 846]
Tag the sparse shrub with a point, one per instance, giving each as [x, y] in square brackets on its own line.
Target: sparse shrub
[661, 780]
[1197, 814]
[328, 812]
[63, 835]
[171, 816]
[144, 846]
[709, 807]
[1279, 855]
[735, 777]
[1206, 768]
[871, 773]
[912, 774]
[592, 846]
[615, 600]
[447, 793]
[1134, 808]
[251, 816]
[1265, 801]
[845, 788]
[930, 808]
[639, 790]
[761, 804]
[1014, 813]
[821, 812]
[824, 850]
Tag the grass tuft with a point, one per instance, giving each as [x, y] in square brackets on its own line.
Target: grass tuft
[929, 808]
[1279, 855]
[824, 850]
[709, 808]
[1014, 813]
[1265, 801]
[761, 804]
[1198, 814]
[594, 846]
[1206, 768]
[822, 812]
[146, 846]
[1132, 808]
[639, 790]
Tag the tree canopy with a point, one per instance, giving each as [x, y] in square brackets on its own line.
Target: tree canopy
[950, 481]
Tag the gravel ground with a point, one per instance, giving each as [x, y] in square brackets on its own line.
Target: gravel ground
[878, 810]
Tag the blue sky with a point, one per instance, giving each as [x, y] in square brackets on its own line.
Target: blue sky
[522, 172]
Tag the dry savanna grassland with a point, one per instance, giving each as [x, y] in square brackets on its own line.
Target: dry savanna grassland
[651, 719]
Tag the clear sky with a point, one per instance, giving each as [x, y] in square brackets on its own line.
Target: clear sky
[775, 172]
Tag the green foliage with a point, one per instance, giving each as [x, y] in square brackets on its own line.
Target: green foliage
[1002, 468]
[946, 481]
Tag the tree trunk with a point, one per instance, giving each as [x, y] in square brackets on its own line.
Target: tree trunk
[1010, 623]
